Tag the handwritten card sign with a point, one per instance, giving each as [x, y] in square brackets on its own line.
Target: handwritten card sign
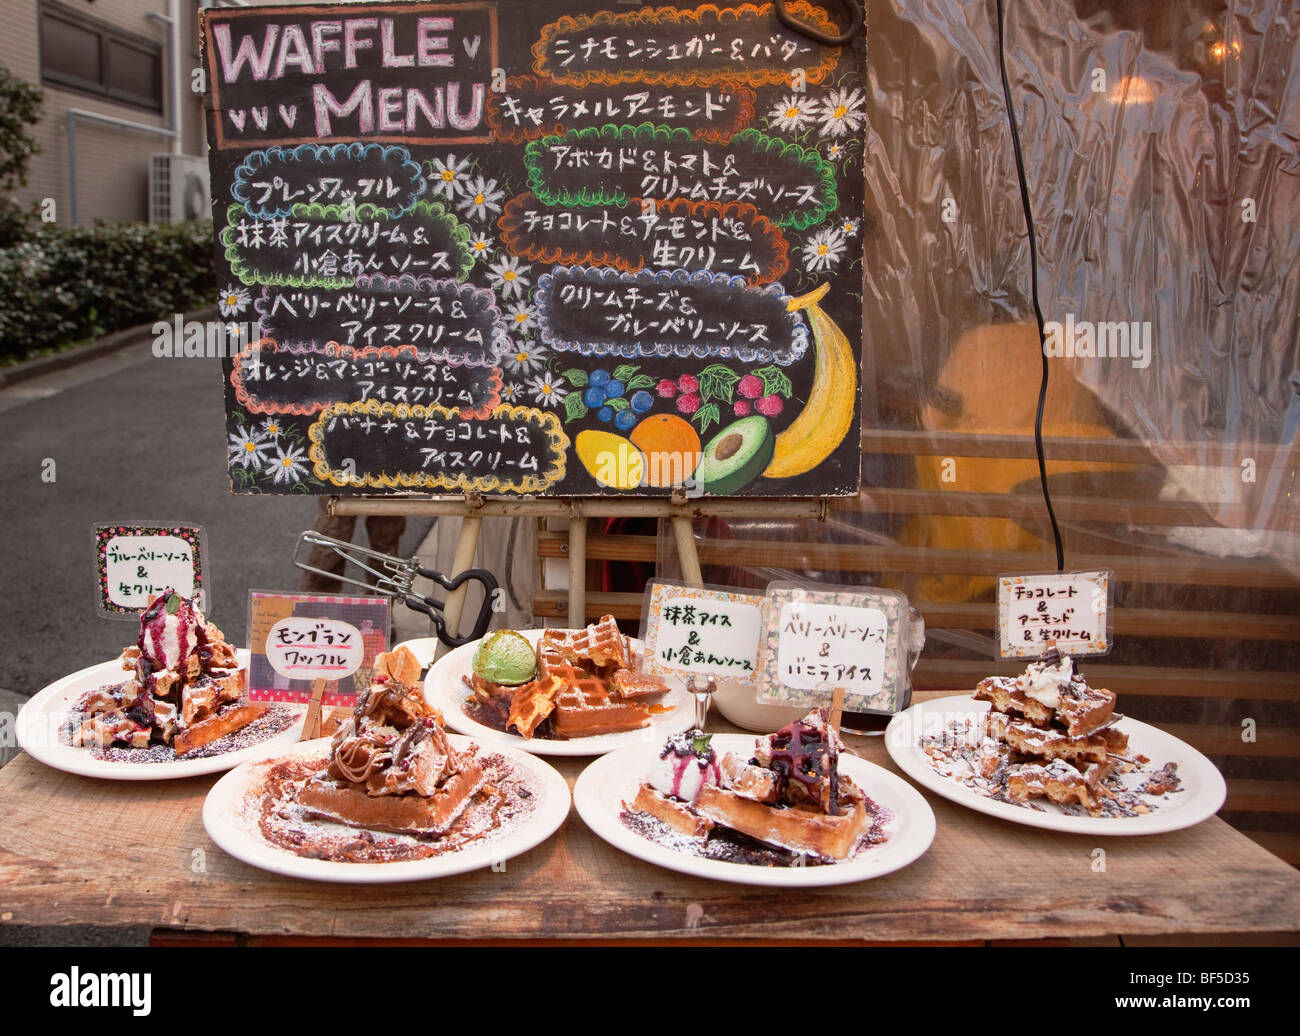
[487, 246]
[134, 562]
[817, 640]
[1071, 608]
[298, 639]
[315, 649]
[702, 631]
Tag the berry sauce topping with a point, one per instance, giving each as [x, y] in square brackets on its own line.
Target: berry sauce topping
[800, 753]
[689, 743]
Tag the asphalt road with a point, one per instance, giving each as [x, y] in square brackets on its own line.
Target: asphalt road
[133, 438]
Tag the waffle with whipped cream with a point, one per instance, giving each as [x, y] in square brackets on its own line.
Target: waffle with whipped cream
[186, 688]
[1050, 735]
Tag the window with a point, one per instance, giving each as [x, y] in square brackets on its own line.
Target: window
[80, 53]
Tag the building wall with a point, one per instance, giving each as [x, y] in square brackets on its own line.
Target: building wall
[112, 162]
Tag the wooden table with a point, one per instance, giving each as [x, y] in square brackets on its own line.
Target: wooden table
[76, 851]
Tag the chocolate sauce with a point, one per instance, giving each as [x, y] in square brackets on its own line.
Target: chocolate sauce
[497, 719]
[505, 799]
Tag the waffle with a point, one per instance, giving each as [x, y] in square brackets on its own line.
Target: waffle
[531, 703]
[584, 709]
[554, 664]
[601, 644]
[1053, 744]
[187, 701]
[400, 665]
[203, 699]
[352, 805]
[1081, 709]
[1060, 782]
[486, 690]
[799, 830]
[227, 721]
[629, 683]
[749, 782]
[675, 814]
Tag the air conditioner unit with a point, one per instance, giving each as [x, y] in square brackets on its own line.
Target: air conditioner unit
[178, 188]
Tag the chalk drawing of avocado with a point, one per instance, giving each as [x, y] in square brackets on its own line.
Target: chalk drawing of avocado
[735, 456]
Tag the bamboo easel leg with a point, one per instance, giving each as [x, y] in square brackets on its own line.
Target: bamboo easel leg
[466, 545]
[577, 571]
[687, 553]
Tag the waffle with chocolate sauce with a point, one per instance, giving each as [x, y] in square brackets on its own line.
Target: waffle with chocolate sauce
[1048, 735]
[186, 689]
[788, 796]
[391, 767]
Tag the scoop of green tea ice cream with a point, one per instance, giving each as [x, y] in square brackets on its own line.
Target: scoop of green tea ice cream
[505, 657]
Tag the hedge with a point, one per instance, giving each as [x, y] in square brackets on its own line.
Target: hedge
[66, 286]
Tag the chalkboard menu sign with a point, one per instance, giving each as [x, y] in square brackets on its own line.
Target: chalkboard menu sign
[567, 248]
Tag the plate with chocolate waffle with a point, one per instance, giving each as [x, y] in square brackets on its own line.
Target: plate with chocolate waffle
[558, 692]
[175, 704]
[1047, 750]
[789, 809]
[391, 796]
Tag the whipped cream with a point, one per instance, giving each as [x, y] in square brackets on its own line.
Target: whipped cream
[1043, 680]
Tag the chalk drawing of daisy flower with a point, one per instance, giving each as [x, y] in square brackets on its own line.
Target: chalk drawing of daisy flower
[849, 227]
[449, 175]
[247, 448]
[842, 113]
[509, 276]
[511, 392]
[549, 390]
[480, 246]
[521, 316]
[794, 113]
[287, 466]
[525, 357]
[233, 300]
[824, 249]
[480, 197]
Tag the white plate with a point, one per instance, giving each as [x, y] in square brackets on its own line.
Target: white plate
[605, 784]
[237, 833]
[1202, 794]
[444, 689]
[40, 719]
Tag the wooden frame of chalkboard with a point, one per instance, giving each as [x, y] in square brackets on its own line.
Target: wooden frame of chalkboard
[679, 512]
[564, 249]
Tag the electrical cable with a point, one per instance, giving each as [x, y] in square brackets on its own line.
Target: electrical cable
[1033, 287]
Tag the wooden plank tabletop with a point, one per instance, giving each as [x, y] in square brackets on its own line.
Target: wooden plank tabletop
[76, 851]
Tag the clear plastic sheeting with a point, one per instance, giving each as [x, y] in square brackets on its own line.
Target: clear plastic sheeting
[1162, 156]
[1161, 149]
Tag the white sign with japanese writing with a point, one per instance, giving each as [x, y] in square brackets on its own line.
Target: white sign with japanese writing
[136, 562]
[704, 631]
[819, 638]
[1070, 608]
[827, 643]
[314, 649]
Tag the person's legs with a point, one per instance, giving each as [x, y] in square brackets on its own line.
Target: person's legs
[385, 532]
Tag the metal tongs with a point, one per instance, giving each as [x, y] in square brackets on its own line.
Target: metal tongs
[394, 578]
